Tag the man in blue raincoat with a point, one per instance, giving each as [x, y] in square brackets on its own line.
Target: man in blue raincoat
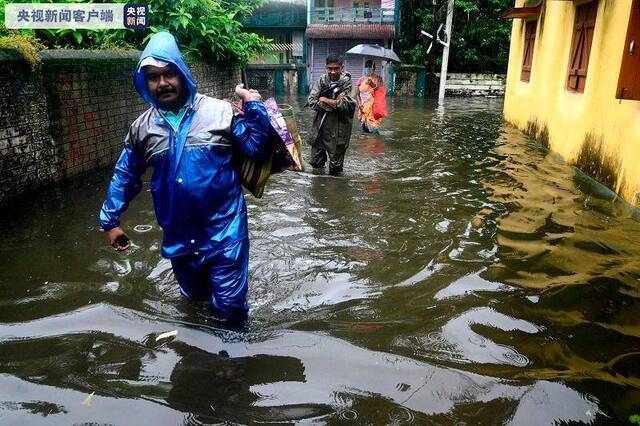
[188, 139]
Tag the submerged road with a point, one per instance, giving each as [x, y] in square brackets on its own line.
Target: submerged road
[456, 274]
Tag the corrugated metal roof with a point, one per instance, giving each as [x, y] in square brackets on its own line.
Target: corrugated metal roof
[350, 31]
[283, 47]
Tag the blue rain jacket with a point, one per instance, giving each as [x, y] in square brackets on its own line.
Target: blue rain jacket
[196, 191]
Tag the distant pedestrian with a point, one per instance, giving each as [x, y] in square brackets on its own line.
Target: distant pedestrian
[331, 98]
[371, 99]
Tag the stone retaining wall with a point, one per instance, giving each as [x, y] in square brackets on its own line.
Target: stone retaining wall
[28, 155]
[71, 116]
[411, 80]
[475, 84]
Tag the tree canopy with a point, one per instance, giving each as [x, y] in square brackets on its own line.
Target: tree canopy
[480, 41]
[206, 29]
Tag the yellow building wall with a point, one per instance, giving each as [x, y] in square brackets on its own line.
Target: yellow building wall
[544, 108]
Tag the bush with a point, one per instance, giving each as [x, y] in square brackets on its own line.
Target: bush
[26, 45]
[205, 29]
[480, 41]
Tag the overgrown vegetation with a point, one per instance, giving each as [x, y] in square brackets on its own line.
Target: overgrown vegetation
[26, 45]
[480, 41]
[207, 29]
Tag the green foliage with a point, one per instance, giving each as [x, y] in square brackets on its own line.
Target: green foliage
[26, 45]
[480, 41]
[23, 41]
[206, 29]
[634, 419]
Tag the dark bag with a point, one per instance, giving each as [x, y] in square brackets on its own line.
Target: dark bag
[254, 174]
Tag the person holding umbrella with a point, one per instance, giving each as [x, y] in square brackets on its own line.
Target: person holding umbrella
[371, 99]
[370, 89]
[331, 98]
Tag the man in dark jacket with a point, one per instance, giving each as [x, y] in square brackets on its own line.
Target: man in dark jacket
[188, 139]
[331, 98]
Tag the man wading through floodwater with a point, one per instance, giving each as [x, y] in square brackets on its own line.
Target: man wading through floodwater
[188, 139]
[331, 98]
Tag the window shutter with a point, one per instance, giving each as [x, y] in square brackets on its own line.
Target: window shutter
[629, 81]
[584, 27]
[529, 45]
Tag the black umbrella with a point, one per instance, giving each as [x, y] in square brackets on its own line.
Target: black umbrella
[375, 51]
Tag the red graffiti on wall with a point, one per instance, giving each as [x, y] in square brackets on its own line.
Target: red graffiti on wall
[71, 123]
[70, 120]
[98, 133]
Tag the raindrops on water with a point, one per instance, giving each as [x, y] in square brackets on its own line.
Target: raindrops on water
[349, 415]
[516, 359]
[400, 416]
[141, 229]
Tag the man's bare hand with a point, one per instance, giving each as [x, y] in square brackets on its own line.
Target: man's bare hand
[331, 102]
[247, 95]
[118, 239]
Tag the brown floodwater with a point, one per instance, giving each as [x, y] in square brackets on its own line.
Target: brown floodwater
[456, 274]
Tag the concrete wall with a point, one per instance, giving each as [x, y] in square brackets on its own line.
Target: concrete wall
[70, 117]
[28, 155]
[277, 79]
[593, 130]
[91, 102]
[475, 84]
[407, 80]
[411, 80]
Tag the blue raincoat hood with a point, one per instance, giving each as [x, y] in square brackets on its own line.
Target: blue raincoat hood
[163, 46]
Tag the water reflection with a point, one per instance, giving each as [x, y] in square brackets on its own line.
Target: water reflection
[216, 387]
[241, 383]
[553, 234]
[456, 273]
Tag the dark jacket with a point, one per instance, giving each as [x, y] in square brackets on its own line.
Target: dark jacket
[331, 126]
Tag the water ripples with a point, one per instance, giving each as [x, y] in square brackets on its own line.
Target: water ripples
[456, 273]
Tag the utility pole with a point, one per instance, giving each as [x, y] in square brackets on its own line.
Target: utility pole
[445, 52]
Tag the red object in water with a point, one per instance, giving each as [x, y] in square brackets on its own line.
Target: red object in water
[380, 103]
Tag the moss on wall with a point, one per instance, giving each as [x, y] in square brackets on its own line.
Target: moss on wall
[597, 163]
[538, 132]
